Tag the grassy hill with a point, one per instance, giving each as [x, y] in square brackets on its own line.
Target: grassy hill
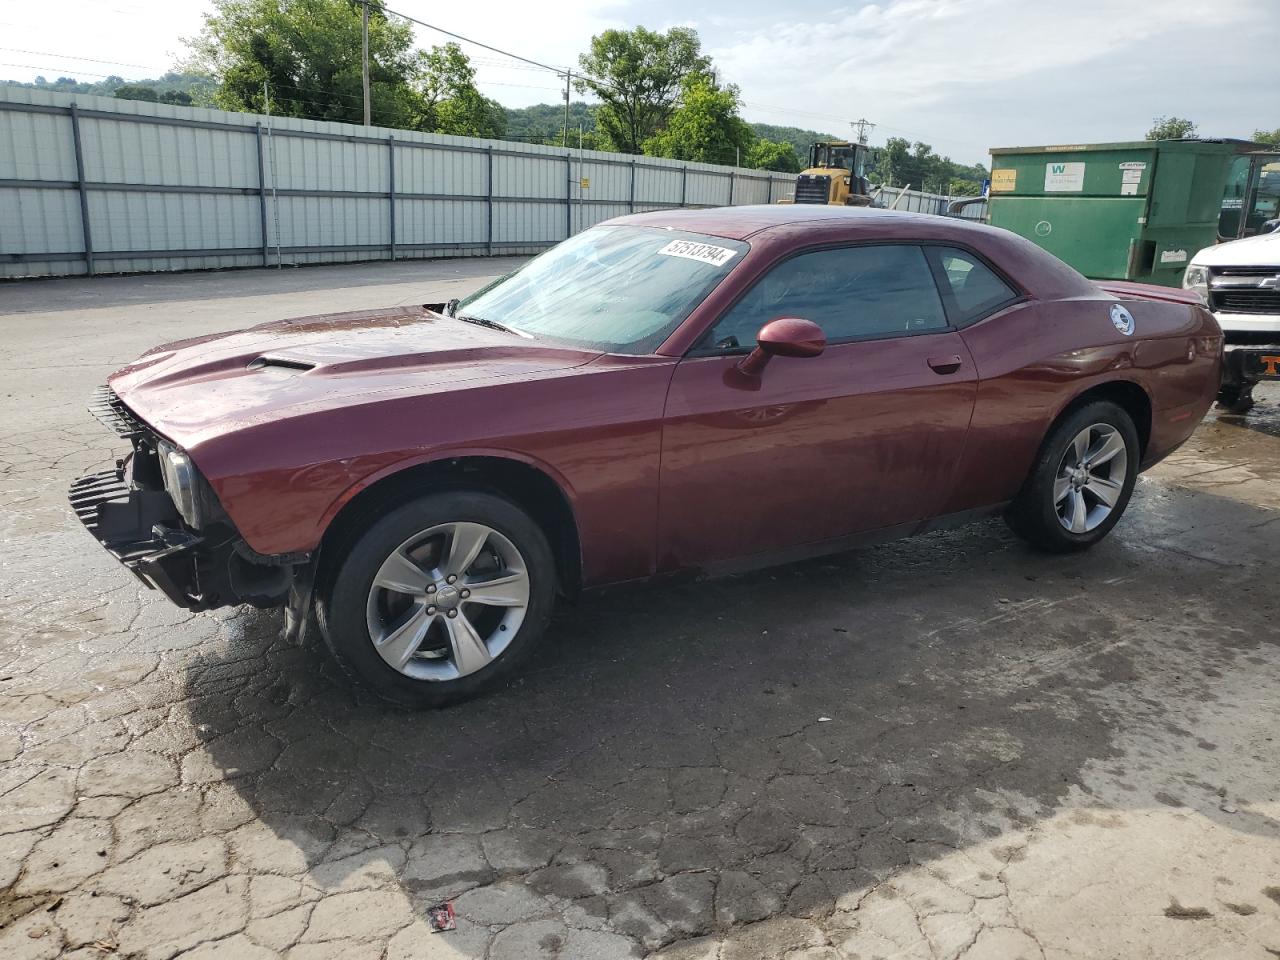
[174, 87]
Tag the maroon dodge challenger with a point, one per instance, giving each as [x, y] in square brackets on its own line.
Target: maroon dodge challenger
[692, 390]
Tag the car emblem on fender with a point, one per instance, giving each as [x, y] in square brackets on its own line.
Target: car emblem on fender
[1122, 319]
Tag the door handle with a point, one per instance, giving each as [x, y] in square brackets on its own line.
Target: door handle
[944, 365]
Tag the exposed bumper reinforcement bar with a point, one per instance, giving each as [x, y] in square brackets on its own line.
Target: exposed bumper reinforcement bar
[140, 529]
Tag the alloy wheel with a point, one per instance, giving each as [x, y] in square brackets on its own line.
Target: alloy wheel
[448, 601]
[1090, 478]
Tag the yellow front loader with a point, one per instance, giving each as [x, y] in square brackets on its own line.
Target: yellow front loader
[837, 174]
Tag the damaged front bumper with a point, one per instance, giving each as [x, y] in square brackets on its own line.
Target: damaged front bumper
[132, 514]
[140, 528]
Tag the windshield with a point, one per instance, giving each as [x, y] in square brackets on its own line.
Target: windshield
[613, 289]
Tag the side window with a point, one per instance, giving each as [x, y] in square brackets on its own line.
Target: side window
[974, 287]
[851, 292]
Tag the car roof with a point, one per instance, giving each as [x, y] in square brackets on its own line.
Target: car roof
[739, 223]
[790, 226]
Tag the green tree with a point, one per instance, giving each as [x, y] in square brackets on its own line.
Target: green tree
[638, 76]
[1171, 128]
[772, 155]
[800, 138]
[705, 126]
[1268, 136]
[308, 52]
[445, 80]
[136, 91]
[894, 163]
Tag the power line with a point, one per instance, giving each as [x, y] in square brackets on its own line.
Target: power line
[67, 56]
[476, 43]
[36, 66]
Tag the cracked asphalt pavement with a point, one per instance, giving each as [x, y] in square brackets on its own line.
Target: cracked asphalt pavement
[941, 748]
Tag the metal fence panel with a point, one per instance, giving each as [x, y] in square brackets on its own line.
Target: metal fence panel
[125, 151]
[94, 184]
[40, 221]
[33, 146]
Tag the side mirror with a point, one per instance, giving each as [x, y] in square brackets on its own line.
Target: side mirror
[784, 337]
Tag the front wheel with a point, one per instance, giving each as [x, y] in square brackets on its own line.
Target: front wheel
[439, 599]
[1081, 482]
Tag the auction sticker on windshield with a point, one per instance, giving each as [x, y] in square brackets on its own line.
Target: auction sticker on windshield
[704, 252]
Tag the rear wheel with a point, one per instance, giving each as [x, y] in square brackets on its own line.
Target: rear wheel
[1081, 482]
[440, 599]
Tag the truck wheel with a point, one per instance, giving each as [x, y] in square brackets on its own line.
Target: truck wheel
[440, 599]
[1081, 482]
[1236, 399]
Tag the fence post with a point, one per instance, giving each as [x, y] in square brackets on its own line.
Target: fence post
[262, 199]
[684, 185]
[568, 195]
[391, 189]
[733, 179]
[84, 191]
[488, 201]
[631, 204]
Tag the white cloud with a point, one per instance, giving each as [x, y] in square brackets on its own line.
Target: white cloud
[908, 63]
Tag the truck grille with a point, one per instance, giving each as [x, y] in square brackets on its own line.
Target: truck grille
[1245, 301]
[812, 188]
[111, 411]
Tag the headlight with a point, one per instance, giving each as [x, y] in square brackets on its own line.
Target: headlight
[1197, 278]
[180, 482]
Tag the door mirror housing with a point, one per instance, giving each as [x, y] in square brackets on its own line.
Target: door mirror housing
[784, 337]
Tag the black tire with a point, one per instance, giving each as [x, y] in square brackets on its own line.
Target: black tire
[1033, 515]
[343, 595]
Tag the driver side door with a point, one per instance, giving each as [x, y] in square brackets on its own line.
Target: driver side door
[863, 437]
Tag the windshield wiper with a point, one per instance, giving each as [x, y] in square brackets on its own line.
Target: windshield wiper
[491, 324]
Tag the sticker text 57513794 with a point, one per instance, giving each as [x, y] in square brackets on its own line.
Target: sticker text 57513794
[703, 252]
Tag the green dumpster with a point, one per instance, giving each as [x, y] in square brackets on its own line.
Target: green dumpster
[1115, 211]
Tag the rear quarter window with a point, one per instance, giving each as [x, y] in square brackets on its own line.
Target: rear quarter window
[974, 288]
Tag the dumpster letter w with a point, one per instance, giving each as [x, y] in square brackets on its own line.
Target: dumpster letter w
[1063, 177]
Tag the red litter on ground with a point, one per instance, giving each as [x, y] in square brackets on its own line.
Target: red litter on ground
[441, 918]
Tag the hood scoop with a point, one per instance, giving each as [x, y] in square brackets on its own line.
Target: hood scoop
[280, 363]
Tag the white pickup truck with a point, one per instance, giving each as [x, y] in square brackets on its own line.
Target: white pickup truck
[1241, 282]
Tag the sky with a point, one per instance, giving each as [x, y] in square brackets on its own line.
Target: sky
[961, 75]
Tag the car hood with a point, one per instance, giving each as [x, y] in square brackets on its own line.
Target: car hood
[193, 390]
[1260, 251]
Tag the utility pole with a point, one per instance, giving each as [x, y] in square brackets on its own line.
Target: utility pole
[564, 132]
[271, 147]
[864, 127]
[364, 56]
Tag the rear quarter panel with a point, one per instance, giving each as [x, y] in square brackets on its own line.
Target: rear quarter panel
[1036, 358]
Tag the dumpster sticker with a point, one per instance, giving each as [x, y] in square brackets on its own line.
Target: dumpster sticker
[1129, 180]
[1133, 165]
[1063, 177]
[1173, 256]
[1004, 181]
